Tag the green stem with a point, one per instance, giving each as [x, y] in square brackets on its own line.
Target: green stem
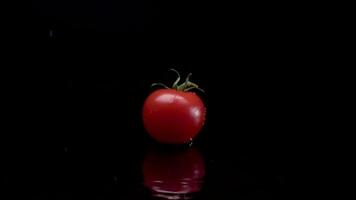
[175, 84]
[159, 84]
[185, 87]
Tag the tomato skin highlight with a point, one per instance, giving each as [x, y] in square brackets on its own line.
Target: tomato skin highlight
[172, 116]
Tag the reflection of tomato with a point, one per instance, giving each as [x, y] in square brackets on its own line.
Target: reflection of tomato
[172, 116]
[174, 173]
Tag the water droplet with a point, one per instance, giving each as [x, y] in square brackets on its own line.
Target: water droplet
[51, 34]
[190, 142]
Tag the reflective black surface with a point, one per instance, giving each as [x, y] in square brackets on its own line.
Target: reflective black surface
[110, 168]
[75, 128]
[84, 152]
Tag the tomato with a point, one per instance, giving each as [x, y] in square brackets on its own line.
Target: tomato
[175, 115]
[169, 174]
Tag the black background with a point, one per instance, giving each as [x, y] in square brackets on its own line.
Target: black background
[76, 126]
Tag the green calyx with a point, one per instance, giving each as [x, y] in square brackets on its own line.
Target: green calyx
[185, 86]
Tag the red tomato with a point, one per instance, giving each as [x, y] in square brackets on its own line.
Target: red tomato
[173, 116]
[170, 174]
